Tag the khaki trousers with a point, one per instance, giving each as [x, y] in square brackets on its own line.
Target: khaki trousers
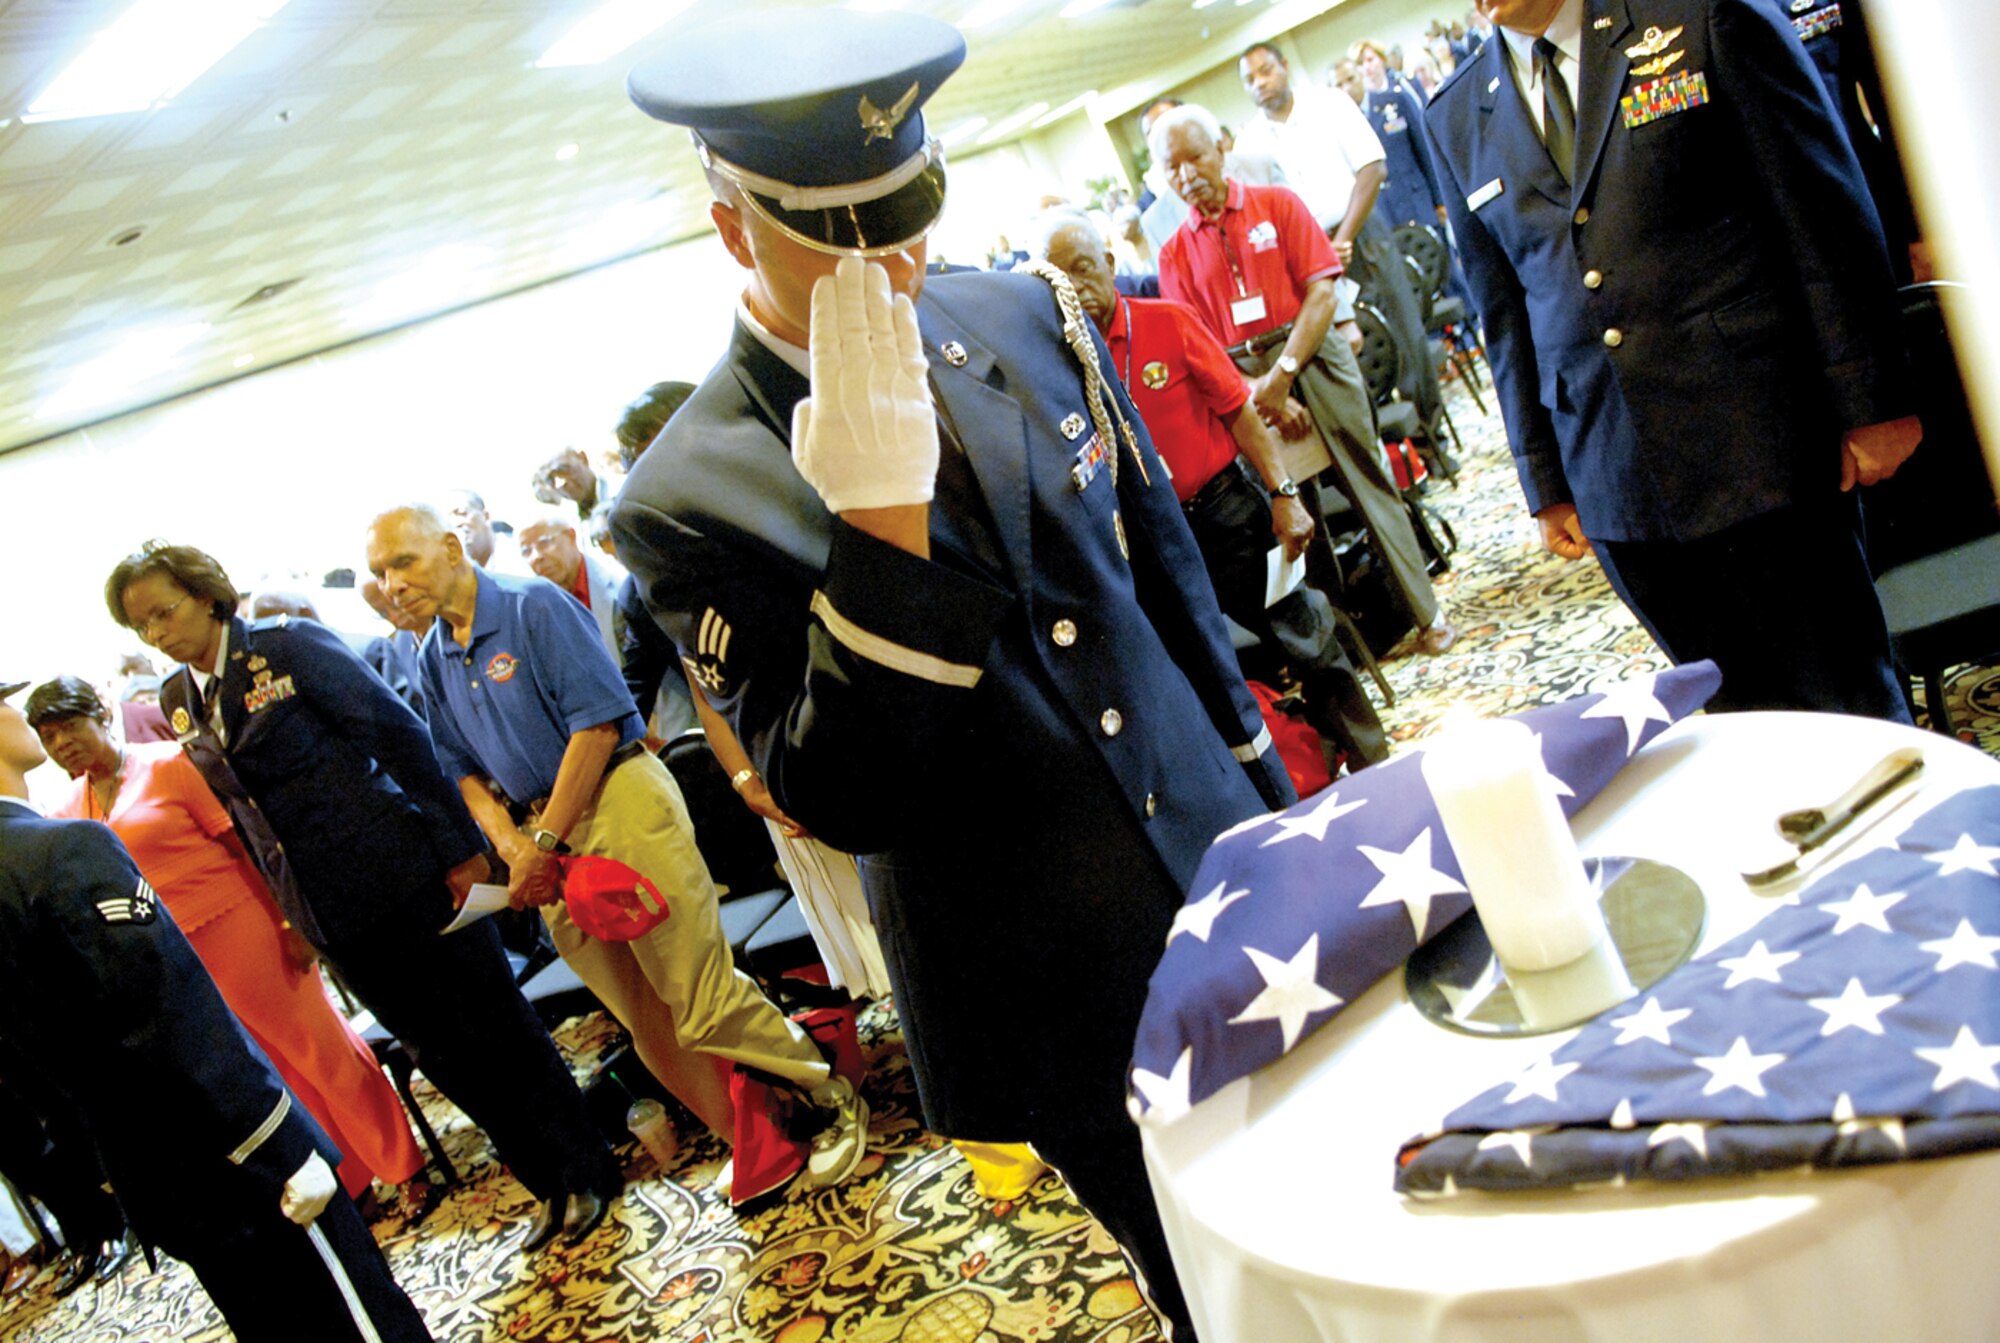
[676, 989]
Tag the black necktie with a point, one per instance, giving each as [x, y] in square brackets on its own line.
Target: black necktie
[1558, 113]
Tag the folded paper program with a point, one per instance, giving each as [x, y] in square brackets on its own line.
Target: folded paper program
[1294, 915]
[1858, 1026]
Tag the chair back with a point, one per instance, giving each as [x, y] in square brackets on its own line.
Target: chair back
[1942, 497]
[1380, 363]
[731, 837]
[1421, 244]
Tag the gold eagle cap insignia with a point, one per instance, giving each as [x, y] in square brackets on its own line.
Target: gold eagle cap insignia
[881, 125]
[1654, 42]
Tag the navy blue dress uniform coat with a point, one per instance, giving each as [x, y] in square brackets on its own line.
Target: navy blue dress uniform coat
[106, 1001]
[1411, 194]
[1029, 739]
[332, 782]
[1680, 337]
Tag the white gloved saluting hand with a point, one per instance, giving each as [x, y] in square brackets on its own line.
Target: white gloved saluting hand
[308, 1191]
[866, 437]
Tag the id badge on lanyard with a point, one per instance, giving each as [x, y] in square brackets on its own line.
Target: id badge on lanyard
[1248, 305]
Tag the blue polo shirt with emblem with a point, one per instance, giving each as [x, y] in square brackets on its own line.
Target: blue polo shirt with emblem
[535, 673]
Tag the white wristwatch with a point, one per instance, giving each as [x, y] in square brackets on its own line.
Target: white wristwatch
[1289, 364]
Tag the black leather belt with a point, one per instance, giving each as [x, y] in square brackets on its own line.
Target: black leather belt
[631, 750]
[1256, 345]
[1218, 485]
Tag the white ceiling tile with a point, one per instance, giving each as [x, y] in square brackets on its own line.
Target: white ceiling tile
[20, 256]
[62, 287]
[89, 195]
[295, 161]
[200, 177]
[370, 45]
[221, 216]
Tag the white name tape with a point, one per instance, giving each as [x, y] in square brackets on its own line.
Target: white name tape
[1485, 194]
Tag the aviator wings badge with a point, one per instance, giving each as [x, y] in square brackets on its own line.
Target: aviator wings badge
[1653, 43]
[881, 125]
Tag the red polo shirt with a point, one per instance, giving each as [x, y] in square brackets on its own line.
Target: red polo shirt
[1264, 242]
[1184, 385]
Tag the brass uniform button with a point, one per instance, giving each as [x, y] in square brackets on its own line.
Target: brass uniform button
[1614, 337]
[1064, 633]
[1112, 722]
[1592, 279]
[1583, 216]
[1152, 804]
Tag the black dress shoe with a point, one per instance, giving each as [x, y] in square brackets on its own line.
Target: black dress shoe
[113, 1257]
[582, 1216]
[549, 1219]
[76, 1271]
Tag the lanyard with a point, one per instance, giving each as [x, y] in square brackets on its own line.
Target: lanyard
[1229, 255]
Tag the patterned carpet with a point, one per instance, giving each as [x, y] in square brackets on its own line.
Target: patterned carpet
[907, 1251]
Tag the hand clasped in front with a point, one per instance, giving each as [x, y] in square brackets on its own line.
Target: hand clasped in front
[867, 436]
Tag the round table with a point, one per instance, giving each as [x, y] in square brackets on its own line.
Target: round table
[1276, 1191]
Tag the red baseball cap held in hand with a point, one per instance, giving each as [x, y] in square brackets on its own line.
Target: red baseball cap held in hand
[610, 901]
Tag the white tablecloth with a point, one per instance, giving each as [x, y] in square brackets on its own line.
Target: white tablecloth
[1276, 1191]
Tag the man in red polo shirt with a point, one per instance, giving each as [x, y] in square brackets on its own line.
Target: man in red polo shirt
[1255, 267]
[1198, 410]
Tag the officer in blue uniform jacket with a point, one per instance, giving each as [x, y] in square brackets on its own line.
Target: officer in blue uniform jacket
[1692, 327]
[333, 785]
[102, 999]
[968, 635]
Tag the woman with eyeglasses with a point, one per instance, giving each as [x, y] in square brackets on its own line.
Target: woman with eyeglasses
[154, 799]
[333, 784]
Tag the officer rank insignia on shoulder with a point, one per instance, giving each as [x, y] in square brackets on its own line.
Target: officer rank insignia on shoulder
[1090, 459]
[1154, 375]
[268, 691]
[1820, 24]
[1663, 97]
[142, 906]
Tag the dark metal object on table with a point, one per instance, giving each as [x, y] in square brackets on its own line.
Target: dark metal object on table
[1812, 829]
[1654, 913]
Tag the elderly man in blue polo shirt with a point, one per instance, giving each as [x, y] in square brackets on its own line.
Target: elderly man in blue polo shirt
[523, 692]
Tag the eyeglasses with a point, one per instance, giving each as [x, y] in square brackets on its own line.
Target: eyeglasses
[145, 627]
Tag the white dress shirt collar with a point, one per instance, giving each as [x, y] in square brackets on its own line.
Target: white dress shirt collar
[1566, 31]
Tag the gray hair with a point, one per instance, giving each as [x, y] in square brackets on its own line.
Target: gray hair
[1044, 227]
[1187, 114]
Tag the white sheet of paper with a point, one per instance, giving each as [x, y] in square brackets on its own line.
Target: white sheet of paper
[484, 898]
[1281, 575]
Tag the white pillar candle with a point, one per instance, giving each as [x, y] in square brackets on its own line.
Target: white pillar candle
[1514, 846]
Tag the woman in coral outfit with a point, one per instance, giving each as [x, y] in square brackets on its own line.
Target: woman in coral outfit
[151, 795]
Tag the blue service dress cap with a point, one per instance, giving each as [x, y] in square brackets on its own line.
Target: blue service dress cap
[818, 114]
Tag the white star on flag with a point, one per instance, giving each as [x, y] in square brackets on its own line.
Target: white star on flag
[1621, 1114]
[1650, 1022]
[1166, 1097]
[1197, 917]
[1694, 1135]
[1291, 990]
[1760, 962]
[1966, 856]
[1854, 1007]
[1963, 1060]
[1562, 789]
[1845, 1121]
[1864, 906]
[1408, 877]
[1314, 823]
[1738, 1068]
[1514, 1140]
[1540, 1078]
[1965, 946]
[1634, 702]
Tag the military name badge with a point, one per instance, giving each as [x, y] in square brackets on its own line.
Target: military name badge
[709, 665]
[1816, 25]
[1090, 459]
[182, 723]
[1154, 375]
[1663, 97]
[267, 692]
[141, 907]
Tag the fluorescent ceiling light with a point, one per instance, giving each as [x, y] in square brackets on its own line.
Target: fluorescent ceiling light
[566, 153]
[608, 30]
[114, 376]
[618, 231]
[243, 361]
[962, 131]
[1203, 4]
[987, 11]
[1073, 105]
[1006, 126]
[149, 54]
[1076, 9]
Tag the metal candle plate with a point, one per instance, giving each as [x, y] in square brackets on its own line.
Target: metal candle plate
[1655, 915]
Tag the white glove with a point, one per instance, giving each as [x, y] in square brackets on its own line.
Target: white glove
[308, 1191]
[866, 437]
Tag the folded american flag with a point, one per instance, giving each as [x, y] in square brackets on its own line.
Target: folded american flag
[1295, 914]
[1858, 1024]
